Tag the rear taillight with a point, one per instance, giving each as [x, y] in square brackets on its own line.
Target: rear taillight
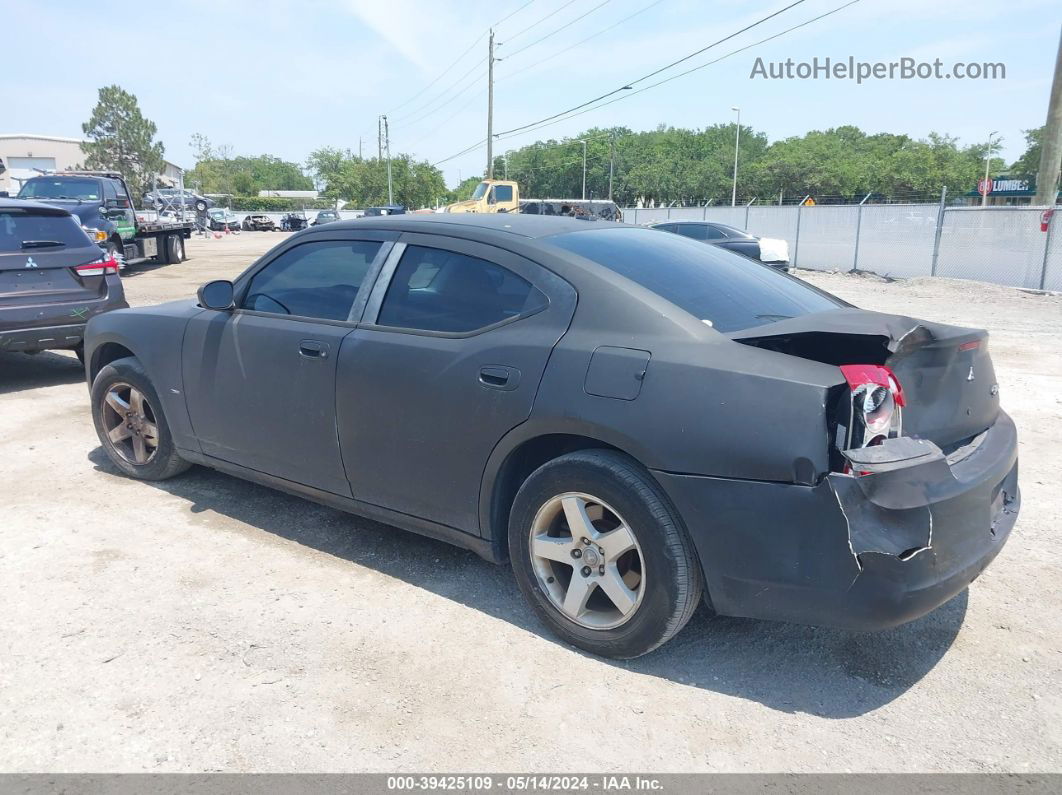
[102, 267]
[876, 405]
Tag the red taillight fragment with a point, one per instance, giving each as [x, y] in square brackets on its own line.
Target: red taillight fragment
[970, 346]
[877, 398]
[101, 267]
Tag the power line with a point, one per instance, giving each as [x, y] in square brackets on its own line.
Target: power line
[539, 22]
[694, 69]
[558, 30]
[460, 57]
[580, 42]
[449, 99]
[477, 65]
[656, 71]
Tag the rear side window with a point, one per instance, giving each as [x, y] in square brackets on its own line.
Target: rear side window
[438, 290]
[317, 280]
[696, 231]
[726, 290]
[28, 231]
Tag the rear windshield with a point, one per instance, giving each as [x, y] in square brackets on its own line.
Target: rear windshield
[61, 188]
[28, 231]
[726, 290]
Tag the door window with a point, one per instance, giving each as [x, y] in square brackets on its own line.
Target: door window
[438, 290]
[696, 231]
[502, 193]
[316, 280]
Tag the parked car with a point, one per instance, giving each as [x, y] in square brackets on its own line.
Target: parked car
[293, 222]
[166, 198]
[386, 209]
[221, 219]
[631, 418]
[53, 278]
[325, 217]
[767, 250]
[258, 223]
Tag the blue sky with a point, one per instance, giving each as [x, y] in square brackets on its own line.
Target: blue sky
[285, 78]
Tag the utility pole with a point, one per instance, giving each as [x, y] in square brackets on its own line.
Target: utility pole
[988, 160]
[1051, 143]
[387, 146]
[490, 108]
[611, 162]
[737, 142]
[379, 137]
[359, 147]
[584, 168]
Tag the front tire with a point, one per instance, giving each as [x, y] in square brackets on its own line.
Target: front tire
[130, 423]
[601, 555]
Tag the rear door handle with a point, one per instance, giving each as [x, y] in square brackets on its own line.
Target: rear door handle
[497, 376]
[313, 349]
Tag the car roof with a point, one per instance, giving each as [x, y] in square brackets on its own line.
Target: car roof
[531, 226]
[45, 209]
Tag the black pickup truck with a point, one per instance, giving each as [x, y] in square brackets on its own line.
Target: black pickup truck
[103, 204]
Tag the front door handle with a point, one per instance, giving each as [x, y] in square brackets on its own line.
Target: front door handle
[497, 376]
[312, 349]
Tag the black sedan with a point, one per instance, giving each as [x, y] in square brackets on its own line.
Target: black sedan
[635, 420]
[768, 250]
[53, 278]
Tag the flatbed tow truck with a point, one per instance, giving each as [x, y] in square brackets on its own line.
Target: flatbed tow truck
[102, 202]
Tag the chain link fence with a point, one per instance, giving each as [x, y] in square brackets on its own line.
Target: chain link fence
[1001, 245]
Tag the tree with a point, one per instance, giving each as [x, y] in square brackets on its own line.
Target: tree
[122, 140]
[1029, 163]
[243, 176]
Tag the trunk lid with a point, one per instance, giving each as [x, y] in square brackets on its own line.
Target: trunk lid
[946, 371]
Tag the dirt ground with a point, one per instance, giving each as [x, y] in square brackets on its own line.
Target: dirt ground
[207, 624]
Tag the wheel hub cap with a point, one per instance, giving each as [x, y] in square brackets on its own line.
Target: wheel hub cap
[129, 423]
[587, 561]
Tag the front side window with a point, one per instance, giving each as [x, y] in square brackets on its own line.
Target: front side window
[438, 290]
[503, 193]
[722, 289]
[316, 280]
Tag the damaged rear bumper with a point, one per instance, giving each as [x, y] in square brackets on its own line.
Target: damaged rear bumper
[862, 553]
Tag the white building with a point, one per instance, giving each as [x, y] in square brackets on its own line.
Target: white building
[26, 155]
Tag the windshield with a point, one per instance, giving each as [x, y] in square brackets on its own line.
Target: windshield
[23, 231]
[725, 290]
[60, 188]
[480, 191]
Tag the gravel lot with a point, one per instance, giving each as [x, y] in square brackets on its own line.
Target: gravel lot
[207, 624]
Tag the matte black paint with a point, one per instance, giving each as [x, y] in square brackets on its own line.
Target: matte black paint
[420, 429]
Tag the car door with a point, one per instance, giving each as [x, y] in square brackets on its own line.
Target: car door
[448, 358]
[260, 379]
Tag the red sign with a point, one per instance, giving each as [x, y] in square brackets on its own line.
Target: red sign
[984, 186]
[1045, 219]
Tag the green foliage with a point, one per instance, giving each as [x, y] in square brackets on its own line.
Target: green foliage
[121, 139]
[217, 172]
[363, 182]
[1029, 163]
[276, 204]
[695, 166]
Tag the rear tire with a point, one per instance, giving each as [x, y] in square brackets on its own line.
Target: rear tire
[133, 432]
[173, 252]
[641, 586]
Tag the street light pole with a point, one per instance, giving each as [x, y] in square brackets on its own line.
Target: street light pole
[611, 162]
[584, 168]
[737, 143]
[988, 159]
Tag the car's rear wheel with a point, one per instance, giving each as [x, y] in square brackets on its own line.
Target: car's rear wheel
[601, 555]
[130, 423]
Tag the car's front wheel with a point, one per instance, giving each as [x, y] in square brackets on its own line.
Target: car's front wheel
[601, 555]
[130, 422]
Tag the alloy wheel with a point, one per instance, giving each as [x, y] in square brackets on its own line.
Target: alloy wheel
[587, 561]
[130, 423]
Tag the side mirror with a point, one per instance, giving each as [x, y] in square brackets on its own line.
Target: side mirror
[217, 294]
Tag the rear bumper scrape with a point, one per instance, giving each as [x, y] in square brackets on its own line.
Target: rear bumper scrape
[860, 552]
